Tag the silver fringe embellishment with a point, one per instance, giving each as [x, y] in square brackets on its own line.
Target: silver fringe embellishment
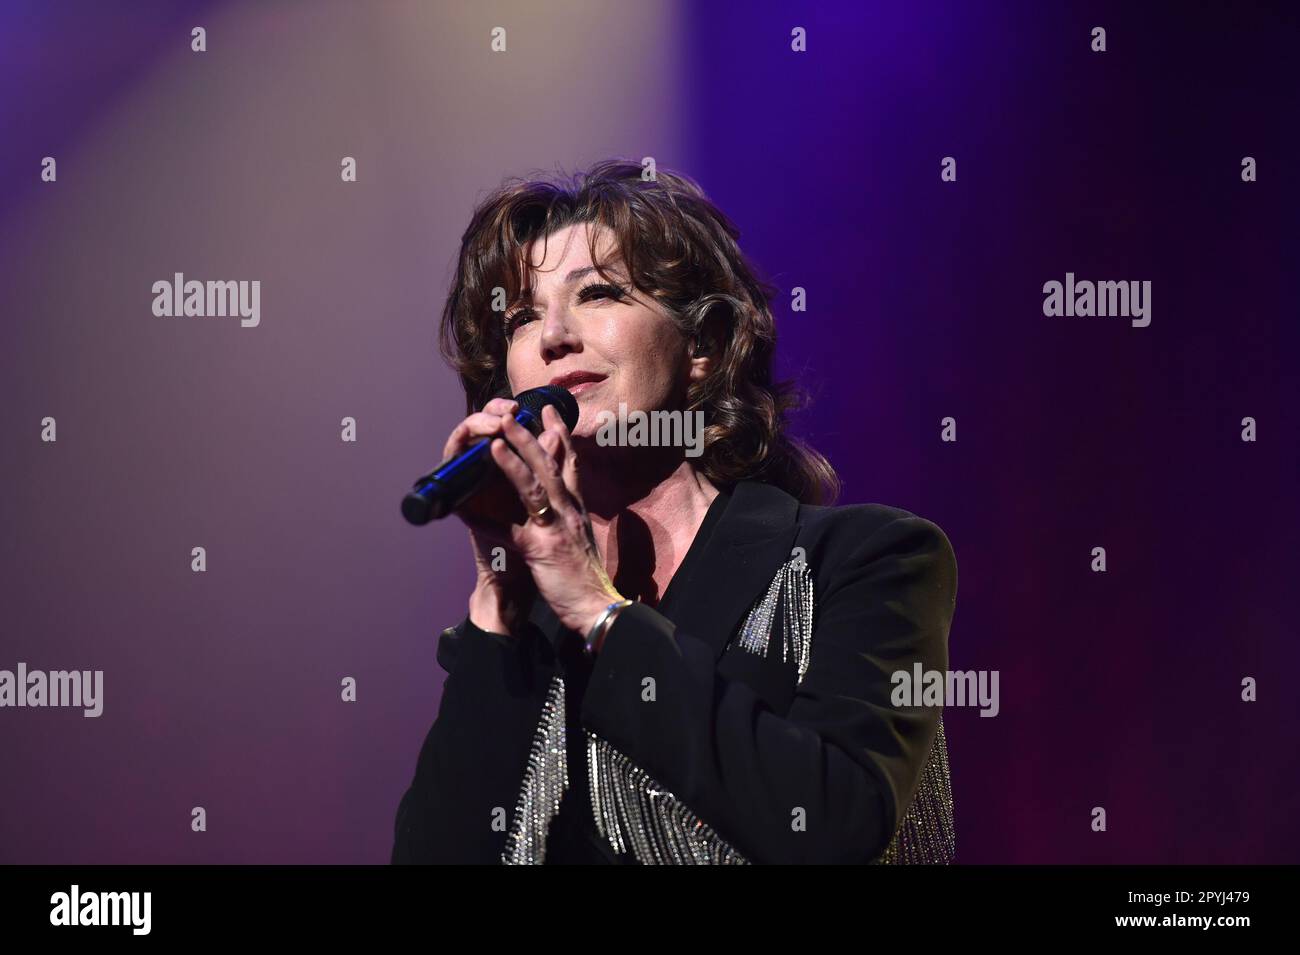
[926, 835]
[795, 581]
[637, 814]
[634, 812]
[545, 781]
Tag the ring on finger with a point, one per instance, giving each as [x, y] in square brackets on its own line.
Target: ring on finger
[543, 515]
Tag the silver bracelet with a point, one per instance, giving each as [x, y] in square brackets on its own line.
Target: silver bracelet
[596, 635]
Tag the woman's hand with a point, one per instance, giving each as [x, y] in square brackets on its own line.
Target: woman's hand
[558, 546]
[502, 597]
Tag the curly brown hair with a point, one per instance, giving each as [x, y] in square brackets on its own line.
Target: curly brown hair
[677, 247]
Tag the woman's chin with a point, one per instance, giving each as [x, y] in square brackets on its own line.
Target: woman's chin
[591, 417]
[584, 434]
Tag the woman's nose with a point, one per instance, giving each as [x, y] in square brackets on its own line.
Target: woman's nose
[558, 335]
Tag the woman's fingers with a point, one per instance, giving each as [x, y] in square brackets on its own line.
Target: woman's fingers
[520, 475]
[476, 426]
[568, 457]
[481, 424]
[500, 406]
[540, 468]
[539, 460]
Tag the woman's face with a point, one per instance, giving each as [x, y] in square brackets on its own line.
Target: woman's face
[596, 340]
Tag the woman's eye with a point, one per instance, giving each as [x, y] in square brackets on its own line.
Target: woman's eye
[600, 290]
[521, 317]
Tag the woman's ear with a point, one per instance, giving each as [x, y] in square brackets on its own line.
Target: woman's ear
[706, 347]
[701, 361]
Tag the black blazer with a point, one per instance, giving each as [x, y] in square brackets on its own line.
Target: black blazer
[723, 752]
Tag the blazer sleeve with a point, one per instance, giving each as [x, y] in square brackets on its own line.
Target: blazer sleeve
[843, 753]
[475, 754]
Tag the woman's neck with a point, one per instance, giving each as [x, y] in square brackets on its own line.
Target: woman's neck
[644, 530]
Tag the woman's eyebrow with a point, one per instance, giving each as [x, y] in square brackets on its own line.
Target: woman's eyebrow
[573, 276]
[613, 270]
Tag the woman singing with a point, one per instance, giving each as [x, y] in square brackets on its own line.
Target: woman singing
[673, 653]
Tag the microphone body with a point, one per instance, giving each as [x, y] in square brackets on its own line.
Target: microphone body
[454, 481]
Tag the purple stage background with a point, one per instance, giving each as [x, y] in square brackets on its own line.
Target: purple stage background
[925, 301]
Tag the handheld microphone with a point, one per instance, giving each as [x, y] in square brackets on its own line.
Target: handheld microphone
[455, 480]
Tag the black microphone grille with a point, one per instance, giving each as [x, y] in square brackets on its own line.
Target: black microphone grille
[535, 398]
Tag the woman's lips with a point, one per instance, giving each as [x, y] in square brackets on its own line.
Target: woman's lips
[582, 386]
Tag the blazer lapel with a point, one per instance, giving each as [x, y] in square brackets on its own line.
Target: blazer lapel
[752, 539]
